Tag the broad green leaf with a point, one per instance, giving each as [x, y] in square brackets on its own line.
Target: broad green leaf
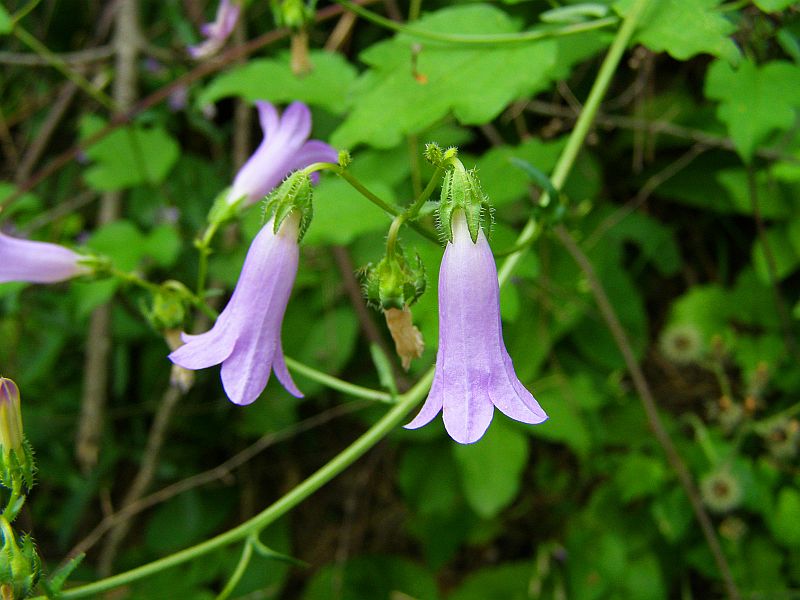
[644, 579]
[566, 423]
[396, 97]
[672, 514]
[428, 478]
[5, 21]
[129, 156]
[185, 519]
[754, 100]
[491, 469]
[272, 79]
[163, 245]
[773, 5]
[121, 241]
[639, 476]
[780, 253]
[684, 28]
[26, 203]
[373, 577]
[508, 581]
[341, 214]
[785, 521]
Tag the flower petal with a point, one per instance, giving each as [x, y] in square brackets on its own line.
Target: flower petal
[467, 418]
[204, 350]
[268, 117]
[282, 373]
[37, 262]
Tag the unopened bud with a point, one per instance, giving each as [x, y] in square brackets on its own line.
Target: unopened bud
[394, 282]
[16, 458]
[20, 566]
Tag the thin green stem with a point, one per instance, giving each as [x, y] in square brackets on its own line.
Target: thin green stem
[388, 208]
[134, 279]
[269, 515]
[23, 12]
[414, 209]
[10, 511]
[59, 65]
[462, 38]
[414, 10]
[338, 384]
[204, 248]
[238, 572]
[577, 136]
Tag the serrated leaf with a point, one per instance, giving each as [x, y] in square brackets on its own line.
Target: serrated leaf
[491, 469]
[401, 95]
[121, 241]
[272, 79]
[129, 156]
[685, 28]
[754, 100]
[163, 245]
[639, 476]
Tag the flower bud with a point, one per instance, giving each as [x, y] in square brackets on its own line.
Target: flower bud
[294, 194]
[169, 306]
[20, 567]
[16, 459]
[394, 282]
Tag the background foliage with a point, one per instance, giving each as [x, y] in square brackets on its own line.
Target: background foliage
[684, 200]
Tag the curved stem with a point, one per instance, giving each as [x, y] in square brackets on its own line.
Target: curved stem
[338, 384]
[462, 38]
[280, 507]
[241, 567]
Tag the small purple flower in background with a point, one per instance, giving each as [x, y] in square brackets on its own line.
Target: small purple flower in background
[284, 149]
[246, 338]
[217, 31]
[474, 373]
[37, 262]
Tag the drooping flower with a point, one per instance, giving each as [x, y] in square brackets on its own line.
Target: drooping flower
[217, 31]
[37, 262]
[285, 148]
[246, 338]
[474, 373]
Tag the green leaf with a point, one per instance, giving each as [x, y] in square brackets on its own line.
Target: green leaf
[639, 476]
[427, 478]
[396, 97]
[6, 25]
[782, 250]
[785, 521]
[187, 518]
[684, 28]
[672, 514]
[129, 156]
[754, 100]
[121, 241]
[508, 581]
[272, 79]
[773, 5]
[373, 577]
[566, 423]
[163, 245]
[491, 469]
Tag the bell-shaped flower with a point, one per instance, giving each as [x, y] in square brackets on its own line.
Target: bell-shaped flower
[246, 338]
[38, 262]
[474, 373]
[217, 31]
[285, 148]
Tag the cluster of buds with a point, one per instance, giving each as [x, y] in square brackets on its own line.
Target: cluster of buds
[20, 566]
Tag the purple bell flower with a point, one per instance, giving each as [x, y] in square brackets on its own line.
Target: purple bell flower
[37, 262]
[246, 338]
[474, 373]
[284, 149]
[217, 31]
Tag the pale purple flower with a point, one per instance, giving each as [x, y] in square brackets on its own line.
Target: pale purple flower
[246, 338]
[37, 262]
[217, 31]
[474, 373]
[284, 149]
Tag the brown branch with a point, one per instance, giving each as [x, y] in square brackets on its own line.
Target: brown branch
[80, 57]
[650, 408]
[159, 96]
[217, 473]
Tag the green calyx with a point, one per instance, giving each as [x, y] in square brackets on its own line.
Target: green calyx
[461, 190]
[170, 306]
[294, 194]
[20, 566]
[294, 14]
[394, 282]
